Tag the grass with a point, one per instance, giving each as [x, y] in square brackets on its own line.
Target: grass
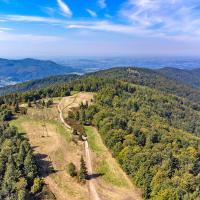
[59, 155]
[92, 140]
[59, 127]
[61, 130]
[104, 163]
[74, 92]
[17, 123]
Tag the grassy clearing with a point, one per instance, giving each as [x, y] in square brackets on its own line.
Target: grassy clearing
[18, 123]
[103, 161]
[58, 148]
[61, 130]
[58, 126]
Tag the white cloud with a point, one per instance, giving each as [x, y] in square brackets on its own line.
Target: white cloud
[102, 3]
[28, 37]
[5, 29]
[105, 26]
[64, 8]
[25, 18]
[170, 18]
[74, 24]
[91, 12]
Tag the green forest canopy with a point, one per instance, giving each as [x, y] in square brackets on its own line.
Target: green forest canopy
[153, 134]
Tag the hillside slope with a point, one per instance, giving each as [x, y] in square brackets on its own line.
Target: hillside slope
[28, 69]
[188, 77]
[149, 133]
[154, 135]
[38, 83]
[152, 79]
[137, 76]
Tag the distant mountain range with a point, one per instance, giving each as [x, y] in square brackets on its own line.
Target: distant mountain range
[17, 71]
[140, 76]
[38, 83]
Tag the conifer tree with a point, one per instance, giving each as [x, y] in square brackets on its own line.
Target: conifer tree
[83, 170]
[17, 107]
[29, 103]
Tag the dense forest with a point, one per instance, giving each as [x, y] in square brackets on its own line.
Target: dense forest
[150, 135]
[139, 76]
[18, 170]
[149, 127]
[152, 79]
[189, 77]
[18, 167]
[37, 84]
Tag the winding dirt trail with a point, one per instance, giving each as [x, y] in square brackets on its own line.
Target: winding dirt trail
[50, 137]
[74, 103]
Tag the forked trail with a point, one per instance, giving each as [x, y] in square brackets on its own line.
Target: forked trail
[100, 188]
[53, 143]
[73, 103]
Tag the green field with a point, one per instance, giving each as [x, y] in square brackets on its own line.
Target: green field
[103, 161]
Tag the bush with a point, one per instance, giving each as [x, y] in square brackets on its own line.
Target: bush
[37, 185]
[72, 170]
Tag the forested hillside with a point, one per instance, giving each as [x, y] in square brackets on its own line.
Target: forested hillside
[149, 133]
[138, 76]
[188, 77]
[37, 84]
[18, 170]
[149, 127]
[28, 69]
[152, 79]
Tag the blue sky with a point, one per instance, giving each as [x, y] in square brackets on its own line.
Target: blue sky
[53, 28]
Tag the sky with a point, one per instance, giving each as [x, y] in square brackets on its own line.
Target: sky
[59, 28]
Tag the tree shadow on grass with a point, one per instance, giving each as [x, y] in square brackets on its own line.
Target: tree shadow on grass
[44, 165]
[94, 176]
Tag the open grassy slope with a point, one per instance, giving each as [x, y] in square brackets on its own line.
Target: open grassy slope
[53, 142]
[54, 145]
[113, 179]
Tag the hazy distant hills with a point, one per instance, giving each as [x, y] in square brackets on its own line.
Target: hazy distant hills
[189, 77]
[139, 76]
[17, 71]
[38, 83]
[182, 82]
[14, 71]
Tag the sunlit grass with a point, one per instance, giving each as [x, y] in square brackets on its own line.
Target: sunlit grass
[104, 163]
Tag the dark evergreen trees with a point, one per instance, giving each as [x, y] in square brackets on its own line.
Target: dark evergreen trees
[18, 171]
[83, 170]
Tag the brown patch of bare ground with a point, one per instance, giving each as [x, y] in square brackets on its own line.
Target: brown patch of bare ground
[55, 151]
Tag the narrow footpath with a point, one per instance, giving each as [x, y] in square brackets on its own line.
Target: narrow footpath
[91, 183]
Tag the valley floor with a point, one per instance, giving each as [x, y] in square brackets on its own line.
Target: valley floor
[53, 146]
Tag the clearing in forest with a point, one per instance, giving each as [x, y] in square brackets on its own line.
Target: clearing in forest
[52, 144]
[54, 149]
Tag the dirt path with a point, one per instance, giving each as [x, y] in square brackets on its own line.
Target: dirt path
[52, 143]
[53, 150]
[114, 184]
[92, 188]
[92, 182]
